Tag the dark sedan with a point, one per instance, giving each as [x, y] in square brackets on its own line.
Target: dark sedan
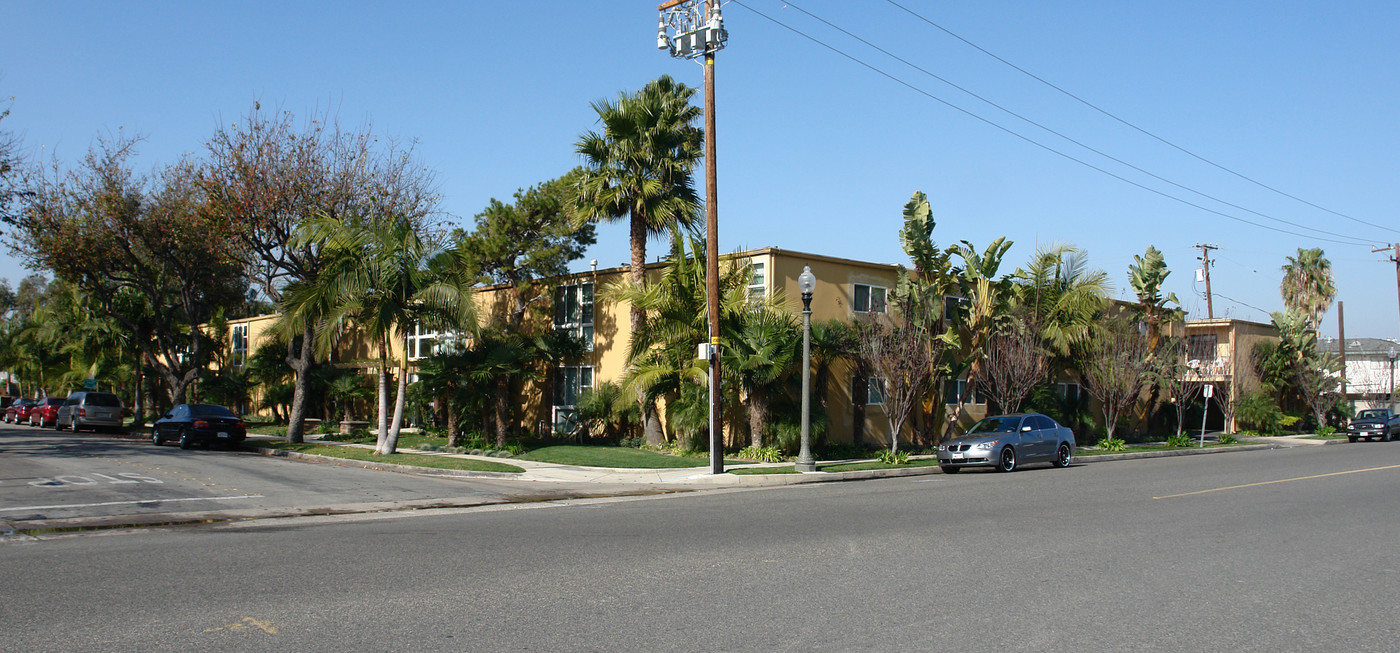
[205, 424]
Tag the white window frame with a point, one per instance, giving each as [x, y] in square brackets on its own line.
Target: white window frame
[416, 343]
[969, 394]
[758, 281]
[869, 298]
[585, 376]
[582, 327]
[875, 390]
[1062, 391]
[238, 347]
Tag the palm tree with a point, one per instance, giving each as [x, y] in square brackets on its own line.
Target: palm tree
[639, 168]
[1308, 286]
[1060, 293]
[1146, 275]
[766, 350]
[384, 275]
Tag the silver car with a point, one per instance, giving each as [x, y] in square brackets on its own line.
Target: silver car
[1006, 442]
[90, 410]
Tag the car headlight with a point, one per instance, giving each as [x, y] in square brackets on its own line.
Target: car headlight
[943, 447]
[985, 446]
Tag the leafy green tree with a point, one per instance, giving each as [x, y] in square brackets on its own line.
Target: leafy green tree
[121, 238]
[528, 243]
[1308, 286]
[762, 355]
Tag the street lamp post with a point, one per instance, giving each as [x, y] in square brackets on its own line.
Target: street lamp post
[806, 282]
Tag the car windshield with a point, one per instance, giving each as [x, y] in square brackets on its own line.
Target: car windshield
[1375, 413]
[209, 410]
[996, 425]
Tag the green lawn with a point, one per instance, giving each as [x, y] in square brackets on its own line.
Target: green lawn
[414, 459]
[839, 467]
[1153, 447]
[875, 464]
[617, 457]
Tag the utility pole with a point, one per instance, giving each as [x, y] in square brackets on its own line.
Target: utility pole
[1394, 256]
[1342, 349]
[1205, 265]
[696, 30]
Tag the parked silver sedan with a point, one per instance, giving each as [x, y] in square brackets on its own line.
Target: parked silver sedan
[1006, 442]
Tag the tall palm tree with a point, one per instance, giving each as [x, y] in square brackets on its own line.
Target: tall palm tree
[384, 276]
[639, 167]
[1308, 286]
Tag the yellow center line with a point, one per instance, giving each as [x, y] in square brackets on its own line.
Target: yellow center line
[1282, 480]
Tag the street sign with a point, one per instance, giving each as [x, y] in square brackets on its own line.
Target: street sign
[89, 384]
[1209, 390]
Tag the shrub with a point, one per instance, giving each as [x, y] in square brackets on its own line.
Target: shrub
[1112, 444]
[1179, 440]
[761, 454]
[892, 458]
[635, 443]
[1258, 412]
[1227, 438]
[1326, 430]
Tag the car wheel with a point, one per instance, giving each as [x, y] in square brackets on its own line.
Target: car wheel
[1351, 438]
[1062, 457]
[1007, 461]
[1385, 436]
[155, 437]
[185, 441]
[73, 425]
[950, 469]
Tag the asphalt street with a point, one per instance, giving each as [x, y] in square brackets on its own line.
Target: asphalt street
[51, 479]
[1278, 550]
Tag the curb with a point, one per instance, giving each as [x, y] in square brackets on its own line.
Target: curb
[383, 467]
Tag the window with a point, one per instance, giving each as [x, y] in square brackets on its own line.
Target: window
[869, 388]
[422, 343]
[1201, 347]
[573, 312]
[758, 282]
[238, 348]
[868, 299]
[1067, 392]
[952, 308]
[955, 389]
[570, 383]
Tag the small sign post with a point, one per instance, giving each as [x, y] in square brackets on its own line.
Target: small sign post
[1208, 391]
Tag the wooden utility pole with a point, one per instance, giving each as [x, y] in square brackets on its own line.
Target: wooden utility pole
[1394, 256]
[1205, 265]
[696, 31]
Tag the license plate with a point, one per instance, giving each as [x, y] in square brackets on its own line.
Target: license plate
[223, 435]
[957, 456]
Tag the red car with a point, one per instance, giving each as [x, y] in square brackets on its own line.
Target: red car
[46, 412]
[19, 410]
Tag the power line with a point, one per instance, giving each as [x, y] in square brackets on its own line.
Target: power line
[1359, 241]
[1027, 139]
[1135, 127]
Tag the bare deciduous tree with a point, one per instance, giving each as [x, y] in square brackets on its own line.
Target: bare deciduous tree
[905, 356]
[1015, 362]
[1117, 367]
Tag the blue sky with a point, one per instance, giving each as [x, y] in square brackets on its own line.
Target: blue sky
[818, 152]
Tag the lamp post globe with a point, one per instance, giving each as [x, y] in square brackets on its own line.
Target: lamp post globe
[806, 282]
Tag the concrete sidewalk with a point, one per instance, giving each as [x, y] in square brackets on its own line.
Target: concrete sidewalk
[700, 476]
